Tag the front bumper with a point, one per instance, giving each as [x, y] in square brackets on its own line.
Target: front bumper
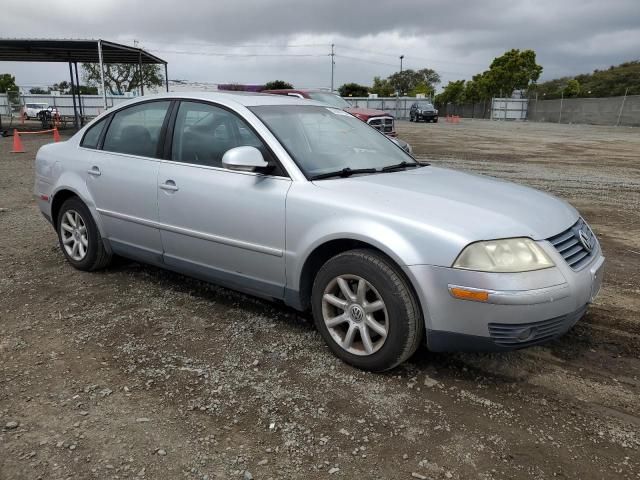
[522, 309]
[427, 116]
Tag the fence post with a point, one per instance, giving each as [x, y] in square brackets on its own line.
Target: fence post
[622, 106]
[561, 102]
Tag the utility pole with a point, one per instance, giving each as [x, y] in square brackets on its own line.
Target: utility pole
[401, 57]
[333, 62]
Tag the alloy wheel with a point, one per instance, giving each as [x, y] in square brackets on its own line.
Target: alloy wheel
[355, 314]
[74, 235]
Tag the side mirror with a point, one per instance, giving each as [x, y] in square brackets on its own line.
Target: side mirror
[243, 159]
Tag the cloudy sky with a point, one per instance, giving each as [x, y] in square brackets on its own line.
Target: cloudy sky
[255, 41]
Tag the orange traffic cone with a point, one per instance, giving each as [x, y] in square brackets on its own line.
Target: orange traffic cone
[17, 143]
[56, 135]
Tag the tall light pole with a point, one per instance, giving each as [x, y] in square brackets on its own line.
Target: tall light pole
[401, 57]
[333, 62]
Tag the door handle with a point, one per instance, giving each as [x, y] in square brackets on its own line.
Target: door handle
[95, 171]
[169, 185]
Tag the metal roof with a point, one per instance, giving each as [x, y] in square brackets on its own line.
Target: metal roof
[68, 50]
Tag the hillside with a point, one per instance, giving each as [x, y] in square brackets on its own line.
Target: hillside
[601, 83]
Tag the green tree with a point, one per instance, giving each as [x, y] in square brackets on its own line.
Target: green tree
[422, 88]
[409, 79]
[39, 91]
[452, 93]
[120, 78]
[7, 83]
[382, 87]
[353, 90]
[572, 89]
[277, 85]
[514, 70]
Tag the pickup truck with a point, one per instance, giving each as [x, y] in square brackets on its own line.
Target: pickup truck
[378, 119]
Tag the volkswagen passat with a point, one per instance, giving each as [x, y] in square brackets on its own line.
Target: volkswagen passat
[295, 201]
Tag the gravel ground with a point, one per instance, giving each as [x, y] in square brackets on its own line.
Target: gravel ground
[134, 372]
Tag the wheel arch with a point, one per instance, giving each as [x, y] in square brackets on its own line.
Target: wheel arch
[67, 191]
[321, 253]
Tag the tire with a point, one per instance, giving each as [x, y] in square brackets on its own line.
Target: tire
[95, 255]
[411, 118]
[400, 317]
[435, 120]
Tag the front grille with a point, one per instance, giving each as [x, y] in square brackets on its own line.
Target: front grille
[526, 334]
[572, 247]
[384, 124]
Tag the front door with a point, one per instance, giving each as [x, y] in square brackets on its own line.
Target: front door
[217, 224]
[123, 181]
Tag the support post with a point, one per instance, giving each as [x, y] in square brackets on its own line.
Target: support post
[166, 77]
[140, 73]
[561, 102]
[75, 64]
[73, 97]
[104, 88]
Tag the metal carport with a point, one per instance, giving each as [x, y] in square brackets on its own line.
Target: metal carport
[74, 51]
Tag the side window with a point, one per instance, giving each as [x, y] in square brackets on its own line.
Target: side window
[203, 133]
[136, 130]
[92, 135]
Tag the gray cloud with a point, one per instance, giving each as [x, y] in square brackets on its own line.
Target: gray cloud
[456, 38]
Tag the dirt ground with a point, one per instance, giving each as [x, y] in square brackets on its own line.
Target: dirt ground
[134, 372]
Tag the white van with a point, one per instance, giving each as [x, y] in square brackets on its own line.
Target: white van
[31, 110]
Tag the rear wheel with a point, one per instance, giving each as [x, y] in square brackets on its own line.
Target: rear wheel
[365, 310]
[79, 237]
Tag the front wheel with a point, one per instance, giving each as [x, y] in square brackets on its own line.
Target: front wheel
[365, 310]
[79, 237]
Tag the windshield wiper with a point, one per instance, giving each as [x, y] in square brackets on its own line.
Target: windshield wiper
[399, 166]
[345, 172]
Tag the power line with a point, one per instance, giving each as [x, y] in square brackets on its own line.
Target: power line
[231, 54]
[372, 52]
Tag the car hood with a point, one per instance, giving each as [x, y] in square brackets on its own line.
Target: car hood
[367, 112]
[460, 206]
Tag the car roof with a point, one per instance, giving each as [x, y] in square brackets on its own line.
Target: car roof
[247, 99]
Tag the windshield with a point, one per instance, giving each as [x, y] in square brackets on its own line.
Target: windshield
[330, 99]
[425, 105]
[322, 139]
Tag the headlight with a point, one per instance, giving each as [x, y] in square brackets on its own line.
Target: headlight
[507, 255]
[436, 111]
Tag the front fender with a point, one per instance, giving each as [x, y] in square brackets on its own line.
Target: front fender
[369, 231]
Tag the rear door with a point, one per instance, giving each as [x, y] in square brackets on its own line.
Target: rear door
[123, 179]
[221, 225]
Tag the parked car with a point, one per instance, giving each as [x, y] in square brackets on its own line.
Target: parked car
[302, 203]
[31, 110]
[423, 110]
[378, 119]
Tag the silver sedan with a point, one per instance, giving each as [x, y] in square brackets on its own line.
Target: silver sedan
[302, 203]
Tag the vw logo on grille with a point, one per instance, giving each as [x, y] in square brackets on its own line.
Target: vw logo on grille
[585, 239]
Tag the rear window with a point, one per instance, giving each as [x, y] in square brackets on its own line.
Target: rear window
[92, 135]
[136, 130]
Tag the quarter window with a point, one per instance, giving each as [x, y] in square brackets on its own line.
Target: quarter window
[136, 130]
[203, 133]
[92, 136]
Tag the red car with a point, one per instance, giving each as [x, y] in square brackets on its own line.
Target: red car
[378, 119]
